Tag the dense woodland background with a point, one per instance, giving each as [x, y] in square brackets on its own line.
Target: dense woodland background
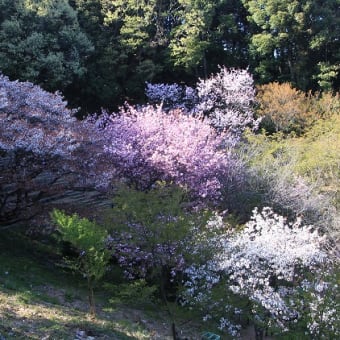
[100, 53]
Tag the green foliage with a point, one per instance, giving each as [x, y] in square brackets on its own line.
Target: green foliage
[279, 35]
[154, 233]
[319, 158]
[101, 52]
[171, 40]
[41, 41]
[208, 33]
[137, 293]
[298, 37]
[191, 39]
[128, 40]
[134, 19]
[327, 75]
[156, 218]
[89, 240]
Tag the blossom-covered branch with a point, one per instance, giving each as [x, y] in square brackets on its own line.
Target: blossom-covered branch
[226, 99]
[147, 144]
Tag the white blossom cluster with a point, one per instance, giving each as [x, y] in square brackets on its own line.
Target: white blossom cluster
[269, 243]
[227, 98]
[171, 96]
[267, 263]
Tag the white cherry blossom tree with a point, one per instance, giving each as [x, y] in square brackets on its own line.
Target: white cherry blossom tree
[267, 263]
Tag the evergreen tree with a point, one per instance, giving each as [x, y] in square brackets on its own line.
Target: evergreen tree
[209, 33]
[294, 41]
[41, 41]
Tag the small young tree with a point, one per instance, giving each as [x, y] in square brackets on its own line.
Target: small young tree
[152, 234]
[151, 230]
[88, 238]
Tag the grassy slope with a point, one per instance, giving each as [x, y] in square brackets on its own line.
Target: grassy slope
[39, 300]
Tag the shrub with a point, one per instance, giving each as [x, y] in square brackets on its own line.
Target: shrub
[89, 240]
[326, 104]
[285, 108]
[297, 176]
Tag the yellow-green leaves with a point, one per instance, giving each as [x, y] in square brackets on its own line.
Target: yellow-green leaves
[89, 240]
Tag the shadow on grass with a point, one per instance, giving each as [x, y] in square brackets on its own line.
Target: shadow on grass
[38, 327]
[40, 300]
[23, 319]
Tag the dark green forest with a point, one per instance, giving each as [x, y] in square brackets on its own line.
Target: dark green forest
[100, 53]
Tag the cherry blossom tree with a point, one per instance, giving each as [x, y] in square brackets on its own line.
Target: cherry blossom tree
[43, 150]
[25, 111]
[36, 131]
[226, 98]
[268, 264]
[41, 141]
[147, 144]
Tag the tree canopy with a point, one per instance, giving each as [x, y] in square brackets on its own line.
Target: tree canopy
[41, 41]
[100, 52]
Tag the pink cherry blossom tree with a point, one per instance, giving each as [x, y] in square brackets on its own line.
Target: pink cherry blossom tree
[147, 144]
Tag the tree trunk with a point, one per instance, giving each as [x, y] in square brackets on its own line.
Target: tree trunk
[258, 332]
[91, 297]
[163, 294]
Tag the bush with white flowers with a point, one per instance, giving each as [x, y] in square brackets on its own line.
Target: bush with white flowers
[268, 263]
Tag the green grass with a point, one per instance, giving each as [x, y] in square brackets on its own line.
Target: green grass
[39, 298]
